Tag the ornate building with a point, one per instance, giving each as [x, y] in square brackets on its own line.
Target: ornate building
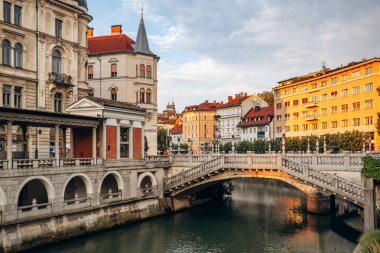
[43, 59]
[122, 69]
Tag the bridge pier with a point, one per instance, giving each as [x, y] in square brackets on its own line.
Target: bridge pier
[318, 202]
[369, 205]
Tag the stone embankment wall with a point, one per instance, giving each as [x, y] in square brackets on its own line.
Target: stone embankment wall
[44, 230]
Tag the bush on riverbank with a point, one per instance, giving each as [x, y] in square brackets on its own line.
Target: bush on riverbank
[371, 167]
[369, 242]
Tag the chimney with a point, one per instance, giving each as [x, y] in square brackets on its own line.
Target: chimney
[229, 99]
[236, 96]
[90, 32]
[206, 101]
[116, 30]
[245, 94]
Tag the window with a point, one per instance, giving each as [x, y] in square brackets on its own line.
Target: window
[368, 70]
[304, 114]
[334, 109]
[334, 94]
[314, 99]
[345, 123]
[369, 120]
[148, 71]
[149, 96]
[314, 112]
[368, 87]
[278, 94]
[344, 93]
[287, 116]
[90, 72]
[6, 95]
[295, 90]
[278, 129]
[304, 88]
[334, 80]
[124, 142]
[17, 97]
[142, 95]
[278, 106]
[56, 62]
[314, 85]
[286, 104]
[324, 97]
[315, 126]
[7, 12]
[324, 125]
[324, 111]
[58, 102]
[295, 128]
[114, 70]
[287, 92]
[356, 74]
[287, 128]
[304, 101]
[344, 77]
[345, 108]
[142, 70]
[295, 115]
[334, 124]
[323, 83]
[58, 28]
[295, 102]
[205, 135]
[205, 127]
[369, 103]
[114, 94]
[356, 90]
[356, 122]
[91, 93]
[6, 59]
[17, 15]
[18, 55]
[305, 127]
[279, 117]
[356, 106]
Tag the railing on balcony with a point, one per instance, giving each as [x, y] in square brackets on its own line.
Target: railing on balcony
[60, 78]
[147, 192]
[312, 104]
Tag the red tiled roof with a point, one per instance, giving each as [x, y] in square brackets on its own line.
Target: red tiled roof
[205, 106]
[263, 113]
[176, 129]
[234, 102]
[111, 43]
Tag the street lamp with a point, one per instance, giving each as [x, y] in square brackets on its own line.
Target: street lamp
[233, 146]
[190, 150]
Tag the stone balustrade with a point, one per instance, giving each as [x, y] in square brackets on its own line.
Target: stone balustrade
[48, 163]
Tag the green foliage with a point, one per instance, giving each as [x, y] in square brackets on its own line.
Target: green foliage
[371, 167]
[227, 148]
[162, 139]
[184, 146]
[267, 96]
[368, 240]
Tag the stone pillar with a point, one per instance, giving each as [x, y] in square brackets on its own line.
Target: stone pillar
[143, 141]
[118, 141]
[57, 144]
[324, 145]
[72, 138]
[318, 202]
[103, 146]
[64, 142]
[369, 205]
[9, 144]
[94, 144]
[130, 142]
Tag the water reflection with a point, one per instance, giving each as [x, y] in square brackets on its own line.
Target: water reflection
[261, 217]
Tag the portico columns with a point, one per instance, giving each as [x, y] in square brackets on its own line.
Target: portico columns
[9, 144]
[72, 138]
[56, 144]
[64, 142]
[94, 144]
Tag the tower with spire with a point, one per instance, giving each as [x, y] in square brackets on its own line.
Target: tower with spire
[133, 73]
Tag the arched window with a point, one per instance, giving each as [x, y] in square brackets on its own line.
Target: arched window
[142, 70]
[113, 70]
[56, 62]
[18, 55]
[149, 96]
[113, 94]
[91, 92]
[6, 52]
[58, 102]
[142, 95]
[90, 72]
[148, 71]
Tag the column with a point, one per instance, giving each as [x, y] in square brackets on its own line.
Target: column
[143, 140]
[72, 138]
[369, 205]
[9, 144]
[94, 144]
[25, 143]
[118, 142]
[56, 143]
[131, 141]
[64, 142]
[103, 146]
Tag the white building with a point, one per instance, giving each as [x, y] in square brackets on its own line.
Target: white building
[176, 134]
[43, 58]
[230, 114]
[123, 70]
[257, 124]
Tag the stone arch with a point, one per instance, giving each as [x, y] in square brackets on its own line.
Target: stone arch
[3, 199]
[86, 180]
[108, 178]
[50, 191]
[144, 177]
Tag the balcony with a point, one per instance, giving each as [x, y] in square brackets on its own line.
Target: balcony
[60, 79]
[311, 117]
[312, 104]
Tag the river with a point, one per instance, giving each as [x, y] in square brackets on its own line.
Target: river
[262, 216]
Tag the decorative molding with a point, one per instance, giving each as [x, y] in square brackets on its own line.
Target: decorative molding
[12, 34]
[113, 60]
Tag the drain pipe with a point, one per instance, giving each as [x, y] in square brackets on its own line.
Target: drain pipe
[37, 79]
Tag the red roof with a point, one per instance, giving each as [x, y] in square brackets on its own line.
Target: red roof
[111, 43]
[176, 129]
[263, 113]
[205, 106]
[235, 101]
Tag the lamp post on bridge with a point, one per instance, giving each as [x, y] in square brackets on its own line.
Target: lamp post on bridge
[283, 149]
[317, 145]
[324, 145]
[308, 146]
[233, 144]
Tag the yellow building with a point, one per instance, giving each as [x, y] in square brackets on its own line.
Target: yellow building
[330, 101]
[199, 126]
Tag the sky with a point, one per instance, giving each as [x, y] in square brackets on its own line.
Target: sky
[210, 49]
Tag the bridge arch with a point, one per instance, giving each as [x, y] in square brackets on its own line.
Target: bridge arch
[112, 182]
[146, 180]
[78, 183]
[37, 187]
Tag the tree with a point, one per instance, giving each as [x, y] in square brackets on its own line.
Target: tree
[268, 97]
[162, 139]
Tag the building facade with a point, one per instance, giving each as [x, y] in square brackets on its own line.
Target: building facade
[229, 116]
[43, 59]
[199, 126]
[330, 101]
[257, 124]
[122, 69]
[176, 134]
